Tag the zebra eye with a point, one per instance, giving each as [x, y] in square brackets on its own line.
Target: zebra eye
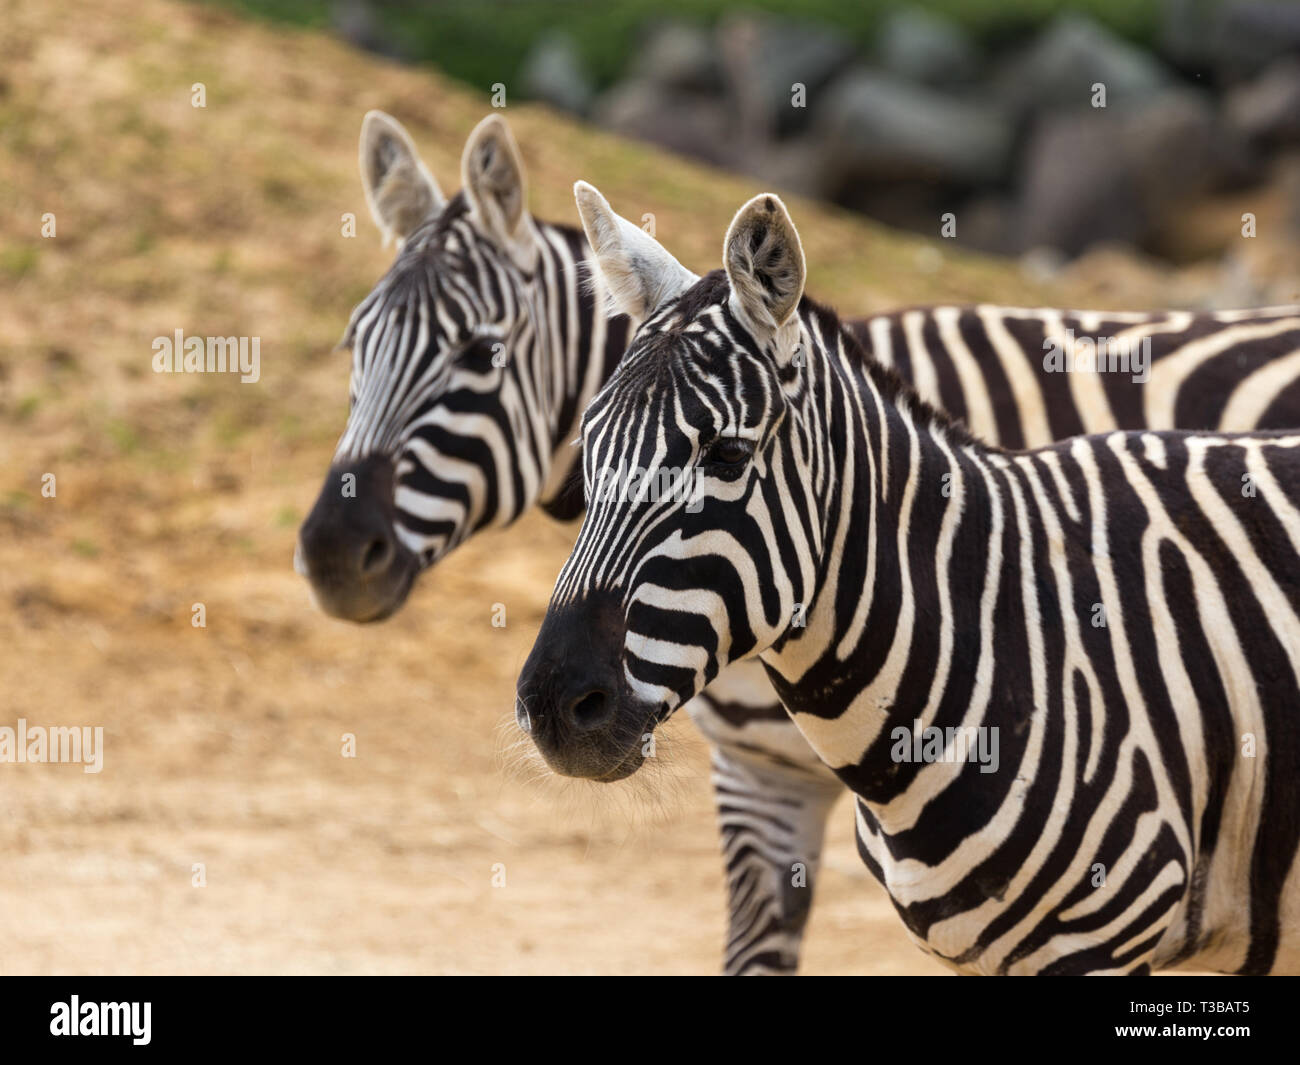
[479, 347]
[729, 451]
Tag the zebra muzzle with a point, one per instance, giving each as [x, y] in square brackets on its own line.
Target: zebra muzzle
[571, 698]
[348, 547]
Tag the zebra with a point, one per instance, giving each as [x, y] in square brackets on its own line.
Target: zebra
[430, 454]
[1116, 616]
[1002, 370]
[473, 358]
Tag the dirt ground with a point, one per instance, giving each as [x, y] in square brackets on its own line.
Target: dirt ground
[224, 743]
[223, 747]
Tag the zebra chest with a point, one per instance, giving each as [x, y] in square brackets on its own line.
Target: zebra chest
[947, 899]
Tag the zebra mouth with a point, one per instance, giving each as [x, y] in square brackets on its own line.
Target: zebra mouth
[384, 612]
[349, 548]
[607, 754]
[579, 709]
[624, 769]
[360, 601]
[363, 604]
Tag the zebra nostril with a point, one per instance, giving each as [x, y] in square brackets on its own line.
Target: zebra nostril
[377, 555]
[592, 710]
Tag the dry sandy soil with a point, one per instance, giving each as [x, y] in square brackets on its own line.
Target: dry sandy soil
[224, 743]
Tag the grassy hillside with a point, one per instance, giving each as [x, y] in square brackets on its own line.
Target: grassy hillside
[222, 742]
[226, 220]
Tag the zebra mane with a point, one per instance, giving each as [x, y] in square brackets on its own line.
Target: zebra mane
[893, 387]
[410, 267]
[714, 289]
[420, 239]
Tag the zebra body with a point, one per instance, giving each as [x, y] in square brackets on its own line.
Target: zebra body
[444, 441]
[1018, 377]
[1117, 616]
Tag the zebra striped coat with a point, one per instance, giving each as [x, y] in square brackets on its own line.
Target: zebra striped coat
[1061, 683]
[442, 442]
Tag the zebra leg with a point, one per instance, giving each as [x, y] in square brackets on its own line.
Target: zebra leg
[772, 819]
[773, 796]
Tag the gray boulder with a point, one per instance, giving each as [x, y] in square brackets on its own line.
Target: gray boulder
[1076, 189]
[1175, 146]
[763, 60]
[1250, 34]
[1232, 40]
[553, 71]
[358, 23]
[789, 166]
[1058, 70]
[874, 128]
[1266, 112]
[1097, 176]
[679, 55]
[686, 123]
[915, 45]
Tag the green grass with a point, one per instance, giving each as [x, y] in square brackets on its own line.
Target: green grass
[17, 261]
[124, 436]
[26, 407]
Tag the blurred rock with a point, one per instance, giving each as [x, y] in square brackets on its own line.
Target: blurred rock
[679, 55]
[1250, 34]
[763, 58]
[1266, 112]
[1093, 176]
[688, 123]
[1059, 68]
[916, 45]
[787, 166]
[1021, 158]
[1287, 171]
[1175, 146]
[1184, 33]
[553, 71]
[918, 206]
[875, 128]
[358, 23]
[1077, 188]
[1231, 41]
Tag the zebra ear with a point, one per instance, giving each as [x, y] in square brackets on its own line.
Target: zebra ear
[400, 191]
[492, 172]
[765, 264]
[638, 271]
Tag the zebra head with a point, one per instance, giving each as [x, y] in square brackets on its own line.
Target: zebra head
[664, 588]
[444, 434]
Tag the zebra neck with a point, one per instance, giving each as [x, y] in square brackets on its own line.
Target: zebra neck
[587, 347]
[902, 621]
